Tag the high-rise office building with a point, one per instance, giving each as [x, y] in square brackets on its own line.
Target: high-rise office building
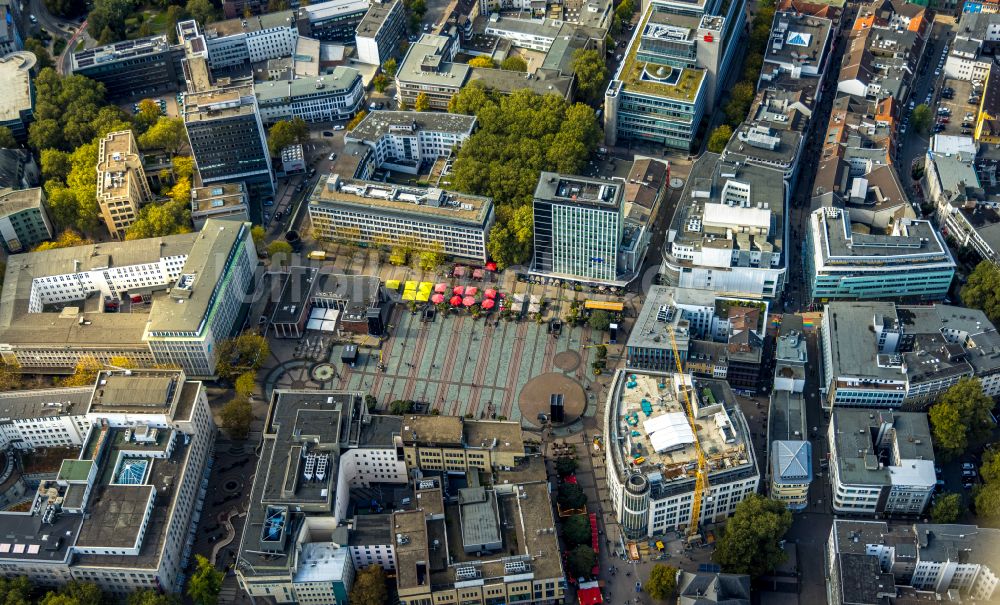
[578, 226]
[227, 136]
[121, 182]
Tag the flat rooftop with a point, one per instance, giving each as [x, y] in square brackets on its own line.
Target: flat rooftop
[854, 347]
[16, 200]
[218, 102]
[581, 190]
[682, 84]
[117, 164]
[787, 418]
[280, 91]
[482, 433]
[424, 65]
[798, 39]
[115, 519]
[126, 49]
[910, 241]
[426, 203]
[43, 403]
[15, 92]
[255, 23]
[144, 392]
[857, 459]
[375, 18]
[427, 430]
[220, 195]
[380, 123]
[657, 433]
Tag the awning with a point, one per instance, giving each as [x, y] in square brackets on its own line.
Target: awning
[441, 288]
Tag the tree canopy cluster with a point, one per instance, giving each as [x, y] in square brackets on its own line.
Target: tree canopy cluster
[20, 591]
[576, 530]
[369, 587]
[519, 136]
[750, 542]
[961, 418]
[243, 353]
[982, 290]
[662, 581]
[205, 583]
[987, 495]
[286, 132]
[591, 75]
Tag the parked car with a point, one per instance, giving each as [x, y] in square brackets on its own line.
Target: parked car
[968, 466]
[327, 133]
[333, 156]
[338, 127]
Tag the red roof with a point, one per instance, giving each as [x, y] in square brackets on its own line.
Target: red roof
[590, 596]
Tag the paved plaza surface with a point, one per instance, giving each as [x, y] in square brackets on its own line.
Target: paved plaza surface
[456, 364]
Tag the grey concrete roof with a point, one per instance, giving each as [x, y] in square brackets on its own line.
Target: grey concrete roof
[543, 81]
[15, 85]
[41, 403]
[16, 200]
[379, 123]
[375, 17]
[282, 91]
[423, 64]
[579, 190]
[787, 418]
[369, 530]
[856, 456]
[704, 588]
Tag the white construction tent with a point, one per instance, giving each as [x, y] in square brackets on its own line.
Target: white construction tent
[669, 431]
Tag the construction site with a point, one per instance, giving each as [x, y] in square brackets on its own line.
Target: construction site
[664, 430]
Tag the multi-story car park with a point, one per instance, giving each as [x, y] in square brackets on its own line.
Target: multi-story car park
[871, 562]
[133, 68]
[326, 98]
[651, 459]
[122, 512]
[729, 230]
[880, 355]
[910, 262]
[122, 299]
[673, 72]
[24, 221]
[382, 214]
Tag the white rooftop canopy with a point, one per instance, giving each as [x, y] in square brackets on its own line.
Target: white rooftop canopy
[668, 431]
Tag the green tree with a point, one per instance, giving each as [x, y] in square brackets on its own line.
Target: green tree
[173, 15]
[167, 134]
[921, 118]
[565, 466]
[148, 114]
[356, 120]
[246, 352]
[151, 597]
[740, 98]
[205, 583]
[989, 470]
[7, 140]
[399, 255]
[15, 591]
[431, 258]
[581, 561]
[75, 593]
[258, 234]
[369, 587]
[599, 320]
[987, 500]
[202, 11]
[237, 416]
[85, 372]
[719, 138]
[380, 82]
[389, 68]
[510, 241]
[38, 48]
[66, 239]
[750, 543]
[183, 166]
[422, 103]
[55, 164]
[110, 119]
[287, 132]
[66, 8]
[982, 290]
[591, 75]
[482, 61]
[947, 508]
[246, 383]
[45, 134]
[165, 218]
[662, 581]
[964, 405]
[571, 496]
[576, 530]
[514, 63]
[279, 247]
[400, 407]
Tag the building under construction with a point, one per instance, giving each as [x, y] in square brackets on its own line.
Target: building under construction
[652, 451]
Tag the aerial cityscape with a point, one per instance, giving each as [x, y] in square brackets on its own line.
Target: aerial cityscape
[499, 302]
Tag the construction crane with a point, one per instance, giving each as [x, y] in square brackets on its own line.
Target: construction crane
[701, 478]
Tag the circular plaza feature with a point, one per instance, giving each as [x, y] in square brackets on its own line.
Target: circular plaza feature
[322, 372]
[536, 397]
[567, 361]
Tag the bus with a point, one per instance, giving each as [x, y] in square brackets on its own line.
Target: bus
[317, 255]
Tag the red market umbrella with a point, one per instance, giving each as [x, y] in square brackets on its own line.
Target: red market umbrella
[457, 290]
[477, 274]
[471, 291]
[490, 293]
[468, 301]
[441, 288]
[456, 300]
[488, 303]
[437, 299]
[459, 271]
[491, 266]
